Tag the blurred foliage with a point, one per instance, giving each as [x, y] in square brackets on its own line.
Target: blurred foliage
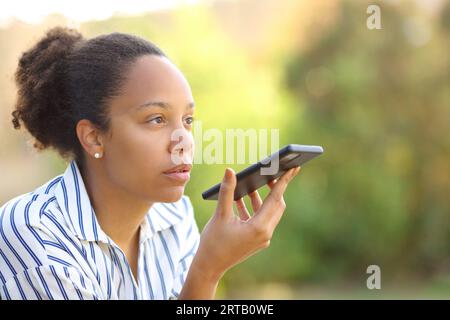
[378, 101]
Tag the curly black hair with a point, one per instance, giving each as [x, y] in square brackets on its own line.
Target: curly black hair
[64, 78]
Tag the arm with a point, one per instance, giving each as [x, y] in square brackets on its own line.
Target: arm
[198, 284]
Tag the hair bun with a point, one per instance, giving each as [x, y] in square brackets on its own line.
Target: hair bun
[42, 58]
[38, 78]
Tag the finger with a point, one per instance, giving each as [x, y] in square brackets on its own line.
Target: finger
[255, 200]
[280, 186]
[242, 209]
[273, 206]
[272, 183]
[226, 193]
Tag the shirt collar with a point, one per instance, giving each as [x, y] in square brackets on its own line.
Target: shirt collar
[73, 199]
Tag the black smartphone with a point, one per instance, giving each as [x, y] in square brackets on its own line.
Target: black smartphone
[272, 167]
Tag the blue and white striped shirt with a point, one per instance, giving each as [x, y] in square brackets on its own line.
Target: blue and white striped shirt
[52, 247]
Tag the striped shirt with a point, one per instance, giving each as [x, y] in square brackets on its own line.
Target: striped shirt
[52, 247]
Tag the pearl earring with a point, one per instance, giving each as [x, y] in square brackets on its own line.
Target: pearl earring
[97, 155]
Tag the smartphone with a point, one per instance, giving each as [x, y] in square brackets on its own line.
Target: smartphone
[272, 167]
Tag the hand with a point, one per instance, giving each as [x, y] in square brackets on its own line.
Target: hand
[228, 239]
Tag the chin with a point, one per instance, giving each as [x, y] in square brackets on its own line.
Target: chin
[172, 195]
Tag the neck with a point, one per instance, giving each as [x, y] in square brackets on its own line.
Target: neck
[119, 213]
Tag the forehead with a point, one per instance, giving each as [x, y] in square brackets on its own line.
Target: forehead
[153, 77]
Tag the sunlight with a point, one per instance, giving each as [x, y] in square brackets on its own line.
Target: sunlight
[79, 11]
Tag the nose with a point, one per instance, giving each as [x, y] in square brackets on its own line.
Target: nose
[181, 146]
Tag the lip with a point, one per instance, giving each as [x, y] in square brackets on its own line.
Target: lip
[180, 173]
[179, 176]
[185, 167]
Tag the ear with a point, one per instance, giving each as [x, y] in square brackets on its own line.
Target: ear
[89, 137]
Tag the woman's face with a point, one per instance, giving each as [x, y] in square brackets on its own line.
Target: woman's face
[139, 147]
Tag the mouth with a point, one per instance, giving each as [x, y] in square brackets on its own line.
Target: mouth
[179, 173]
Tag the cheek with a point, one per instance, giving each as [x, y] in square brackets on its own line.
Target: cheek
[134, 155]
[135, 159]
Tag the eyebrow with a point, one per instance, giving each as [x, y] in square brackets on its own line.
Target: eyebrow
[161, 104]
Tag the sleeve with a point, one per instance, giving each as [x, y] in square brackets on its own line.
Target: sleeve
[189, 249]
[49, 282]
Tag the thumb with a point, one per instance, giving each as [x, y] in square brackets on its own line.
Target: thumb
[226, 193]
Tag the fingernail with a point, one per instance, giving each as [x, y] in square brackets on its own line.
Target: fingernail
[228, 173]
[293, 172]
[225, 175]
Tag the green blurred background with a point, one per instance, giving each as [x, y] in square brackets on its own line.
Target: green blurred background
[378, 101]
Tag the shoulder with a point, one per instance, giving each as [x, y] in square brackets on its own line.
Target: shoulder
[27, 209]
[24, 211]
[22, 229]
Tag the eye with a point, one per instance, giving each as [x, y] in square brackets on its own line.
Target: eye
[189, 120]
[157, 120]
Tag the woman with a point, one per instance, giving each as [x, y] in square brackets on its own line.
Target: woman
[116, 224]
